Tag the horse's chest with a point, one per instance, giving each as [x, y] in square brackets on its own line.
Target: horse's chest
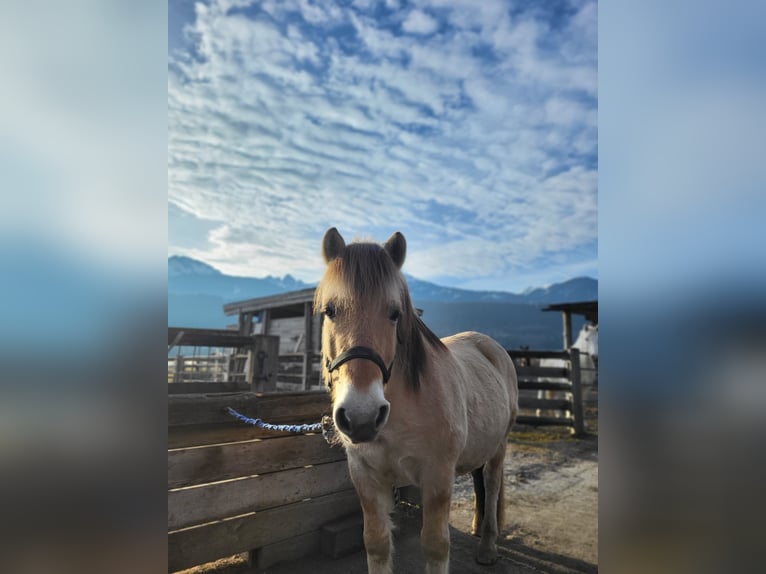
[397, 468]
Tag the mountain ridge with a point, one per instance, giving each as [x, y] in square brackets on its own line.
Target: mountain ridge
[186, 274]
[197, 292]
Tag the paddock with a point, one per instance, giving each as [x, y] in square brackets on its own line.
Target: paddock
[284, 503]
[234, 489]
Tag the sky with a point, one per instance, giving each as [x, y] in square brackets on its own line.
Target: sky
[471, 127]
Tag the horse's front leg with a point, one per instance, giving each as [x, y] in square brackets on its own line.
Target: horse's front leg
[434, 538]
[377, 503]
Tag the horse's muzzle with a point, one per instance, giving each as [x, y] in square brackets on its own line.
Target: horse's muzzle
[361, 427]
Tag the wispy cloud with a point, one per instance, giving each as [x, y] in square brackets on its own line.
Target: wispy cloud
[470, 127]
[418, 22]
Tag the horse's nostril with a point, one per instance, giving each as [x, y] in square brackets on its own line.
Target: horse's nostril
[382, 416]
[342, 421]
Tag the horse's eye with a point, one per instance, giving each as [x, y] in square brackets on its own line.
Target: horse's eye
[329, 311]
[395, 314]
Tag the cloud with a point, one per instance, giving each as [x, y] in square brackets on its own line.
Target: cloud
[418, 22]
[283, 121]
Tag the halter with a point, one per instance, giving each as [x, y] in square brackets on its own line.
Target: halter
[361, 353]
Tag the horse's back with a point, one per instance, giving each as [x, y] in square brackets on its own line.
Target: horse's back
[488, 372]
[475, 350]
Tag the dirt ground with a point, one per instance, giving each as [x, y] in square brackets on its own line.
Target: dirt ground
[551, 518]
[551, 494]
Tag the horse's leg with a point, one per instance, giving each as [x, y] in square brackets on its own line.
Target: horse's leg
[377, 503]
[434, 538]
[478, 501]
[493, 480]
[377, 509]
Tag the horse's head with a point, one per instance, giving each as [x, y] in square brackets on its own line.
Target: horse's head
[364, 299]
[587, 340]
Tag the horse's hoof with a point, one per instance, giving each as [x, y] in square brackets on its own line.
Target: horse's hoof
[487, 557]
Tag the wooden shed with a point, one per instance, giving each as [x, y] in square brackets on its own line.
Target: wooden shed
[289, 316]
[588, 309]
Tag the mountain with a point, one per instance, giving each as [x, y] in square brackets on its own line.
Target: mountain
[578, 289]
[511, 324]
[180, 266]
[191, 277]
[197, 292]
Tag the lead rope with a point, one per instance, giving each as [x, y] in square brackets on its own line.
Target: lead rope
[326, 426]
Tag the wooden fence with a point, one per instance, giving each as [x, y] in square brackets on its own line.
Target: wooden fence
[234, 488]
[549, 389]
[239, 362]
[221, 360]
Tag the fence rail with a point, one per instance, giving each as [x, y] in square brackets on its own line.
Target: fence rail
[549, 395]
[234, 488]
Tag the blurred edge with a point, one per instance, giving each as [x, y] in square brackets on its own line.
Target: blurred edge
[83, 156]
[682, 287]
[83, 159]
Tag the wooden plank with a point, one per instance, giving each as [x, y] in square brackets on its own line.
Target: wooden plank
[285, 550]
[191, 388]
[546, 372]
[289, 330]
[234, 431]
[343, 536]
[567, 327]
[534, 403]
[263, 364]
[207, 338]
[544, 421]
[245, 324]
[579, 419]
[197, 505]
[190, 466]
[273, 408]
[208, 542]
[269, 302]
[533, 385]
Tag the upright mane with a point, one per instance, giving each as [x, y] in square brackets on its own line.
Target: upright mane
[366, 271]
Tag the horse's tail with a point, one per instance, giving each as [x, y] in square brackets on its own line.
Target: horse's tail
[501, 505]
[480, 493]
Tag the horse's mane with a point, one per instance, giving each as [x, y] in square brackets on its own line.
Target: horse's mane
[366, 269]
[415, 337]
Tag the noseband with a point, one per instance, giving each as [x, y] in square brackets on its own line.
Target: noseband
[361, 353]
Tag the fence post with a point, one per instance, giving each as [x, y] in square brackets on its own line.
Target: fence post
[263, 363]
[579, 420]
[178, 373]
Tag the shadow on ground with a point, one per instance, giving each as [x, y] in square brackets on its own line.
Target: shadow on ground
[514, 558]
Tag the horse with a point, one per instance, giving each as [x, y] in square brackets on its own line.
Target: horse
[410, 408]
[587, 344]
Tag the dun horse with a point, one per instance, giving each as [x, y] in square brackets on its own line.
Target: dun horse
[411, 408]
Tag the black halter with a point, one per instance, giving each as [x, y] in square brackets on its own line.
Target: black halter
[361, 353]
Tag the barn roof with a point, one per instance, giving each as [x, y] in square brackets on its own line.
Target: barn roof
[587, 308]
[285, 301]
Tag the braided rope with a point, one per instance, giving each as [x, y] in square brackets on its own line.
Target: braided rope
[316, 427]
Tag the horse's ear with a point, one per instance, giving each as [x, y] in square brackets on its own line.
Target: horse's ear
[332, 245]
[397, 248]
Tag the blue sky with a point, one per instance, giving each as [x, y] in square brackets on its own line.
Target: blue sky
[469, 126]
